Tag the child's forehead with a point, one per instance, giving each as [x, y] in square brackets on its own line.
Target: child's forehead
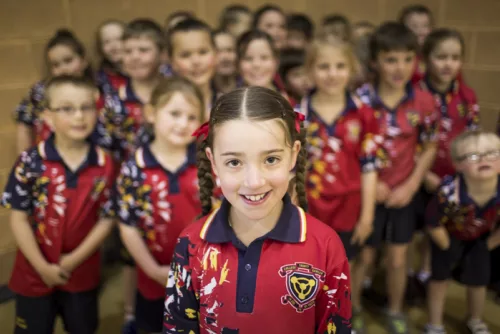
[68, 91]
[191, 37]
[143, 38]
[480, 143]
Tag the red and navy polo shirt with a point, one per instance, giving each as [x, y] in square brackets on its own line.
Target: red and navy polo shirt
[160, 204]
[109, 80]
[412, 123]
[295, 279]
[29, 111]
[459, 112]
[122, 115]
[63, 207]
[338, 153]
[454, 209]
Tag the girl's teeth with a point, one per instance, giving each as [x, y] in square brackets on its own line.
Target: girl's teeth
[255, 198]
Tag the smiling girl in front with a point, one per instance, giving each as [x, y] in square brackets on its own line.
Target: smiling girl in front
[158, 193]
[258, 264]
[342, 146]
[258, 61]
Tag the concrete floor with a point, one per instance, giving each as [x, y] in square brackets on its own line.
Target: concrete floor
[112, 304]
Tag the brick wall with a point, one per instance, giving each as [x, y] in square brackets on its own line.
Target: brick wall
[26, 25]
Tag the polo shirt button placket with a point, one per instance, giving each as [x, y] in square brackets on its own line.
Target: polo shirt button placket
[248, 267]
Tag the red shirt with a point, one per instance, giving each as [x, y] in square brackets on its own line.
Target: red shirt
[414, 121]
[339, 153]
[63, 207]
[459, 111]
[160, 204]
[453, 208]
[295, 279]
[419, 70]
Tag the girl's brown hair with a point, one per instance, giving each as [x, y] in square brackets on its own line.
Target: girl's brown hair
[168, 87]
[254, 35]
[256, 104]
[438, 36]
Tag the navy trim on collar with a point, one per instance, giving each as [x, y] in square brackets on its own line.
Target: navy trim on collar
[51, 153]
[350, 105]
[288, 228]
[465, 199]
[409, 95]
[130, 95]
[151, 161]
[452, 89]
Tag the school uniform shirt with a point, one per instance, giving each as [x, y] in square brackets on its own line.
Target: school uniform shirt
[63, 207]
[338, 153]
[459, 214]
[295, 279]
[459, 112]
[29, 110]
[109, 80]
[414, 122]
[419, 70]
[121, 114]
[160, 204]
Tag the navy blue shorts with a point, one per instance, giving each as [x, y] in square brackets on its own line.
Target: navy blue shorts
[78, 310]
[149, 314]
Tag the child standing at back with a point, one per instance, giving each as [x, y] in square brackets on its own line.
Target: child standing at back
[258, 264]
[191, 50]
[64, 55]
[343, 143]
[464, 227]
[158, 193]
[58, 192]
[408, 119]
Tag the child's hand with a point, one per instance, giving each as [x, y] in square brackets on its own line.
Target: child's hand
[383, 192]
[401, 196]
[362, 231]
[66, 263]
[53, 275]
[440, 237]
[161, 275]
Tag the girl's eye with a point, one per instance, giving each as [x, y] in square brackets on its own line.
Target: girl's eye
[68, 60]
[175, 113]
[233, 163]
[409, 59]
[272, 160]
[341, 65]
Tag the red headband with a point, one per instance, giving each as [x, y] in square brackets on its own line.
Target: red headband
[203, 130]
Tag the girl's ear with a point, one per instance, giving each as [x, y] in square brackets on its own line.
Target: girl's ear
[149, 113]
[210, 156]
[295, 153]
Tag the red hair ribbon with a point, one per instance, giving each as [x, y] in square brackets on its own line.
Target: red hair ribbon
[299, 117]
[202, 131]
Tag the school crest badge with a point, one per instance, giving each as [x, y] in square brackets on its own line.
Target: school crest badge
[413, 117]
[98, 187]
[302, 284]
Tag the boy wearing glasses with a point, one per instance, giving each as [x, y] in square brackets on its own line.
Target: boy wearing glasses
[464, 227]
[57, 193]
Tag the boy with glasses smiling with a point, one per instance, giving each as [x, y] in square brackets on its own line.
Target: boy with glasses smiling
[464, 227]
[58, 192]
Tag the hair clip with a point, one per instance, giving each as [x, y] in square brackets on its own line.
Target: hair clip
[299, 118]
[202, 131]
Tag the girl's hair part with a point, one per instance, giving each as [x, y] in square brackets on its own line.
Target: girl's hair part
[67, 38]
[166, 88]
[254, 35]
[106, 63]
[439, 35]
[264, 9]
[254, 104]
[344, 47]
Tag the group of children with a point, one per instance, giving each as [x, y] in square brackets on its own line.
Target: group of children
[370, 130]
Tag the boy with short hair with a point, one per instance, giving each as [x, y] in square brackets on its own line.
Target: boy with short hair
[192, 53]
[408, 119]
[463, 220]
[300, 31]
[337, 26]
[58, 192]
[124, 116]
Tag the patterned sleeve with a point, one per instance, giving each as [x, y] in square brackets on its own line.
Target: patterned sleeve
[30, 106]
[129, 194]
[435, 212]
[371, 142]
[108, 208]
[333, 313]
[181, 303]
[429, 126]
[473, 115]
[18, 191]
